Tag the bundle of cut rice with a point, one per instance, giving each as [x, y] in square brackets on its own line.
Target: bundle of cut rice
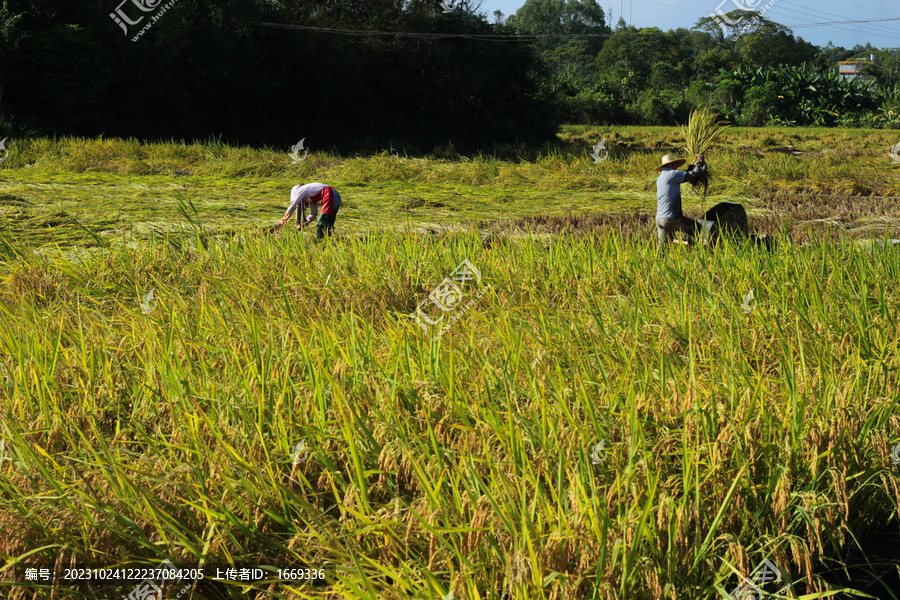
[702, 130]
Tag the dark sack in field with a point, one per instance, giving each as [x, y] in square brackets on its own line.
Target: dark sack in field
[730, 219]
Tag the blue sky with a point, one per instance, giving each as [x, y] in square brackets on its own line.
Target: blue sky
[671, 14]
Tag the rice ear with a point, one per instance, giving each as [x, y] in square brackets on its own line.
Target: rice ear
[703, 128]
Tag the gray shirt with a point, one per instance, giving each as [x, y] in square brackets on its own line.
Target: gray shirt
[668, 190]
[668, 193]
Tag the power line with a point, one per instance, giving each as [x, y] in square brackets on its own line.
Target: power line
[857, 30]
[520, 37]
[494, 37]
[795, 11]
[882, 20]
[819, 13]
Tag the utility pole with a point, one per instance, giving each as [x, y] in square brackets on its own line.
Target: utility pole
[630, 22]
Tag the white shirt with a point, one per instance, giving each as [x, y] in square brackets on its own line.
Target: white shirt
[299, 196]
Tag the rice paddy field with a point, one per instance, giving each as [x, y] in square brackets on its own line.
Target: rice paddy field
[589, 419]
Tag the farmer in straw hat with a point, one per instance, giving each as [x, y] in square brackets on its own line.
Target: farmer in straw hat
[310, 195]
[669, 217]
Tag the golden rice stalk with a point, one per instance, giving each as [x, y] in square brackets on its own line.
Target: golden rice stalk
[702, 130]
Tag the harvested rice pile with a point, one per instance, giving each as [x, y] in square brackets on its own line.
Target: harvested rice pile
[702, 130]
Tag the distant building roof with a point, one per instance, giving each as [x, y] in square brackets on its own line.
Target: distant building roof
[855, 68]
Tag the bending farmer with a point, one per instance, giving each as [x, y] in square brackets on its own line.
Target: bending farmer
[669, 217]
[310, 195]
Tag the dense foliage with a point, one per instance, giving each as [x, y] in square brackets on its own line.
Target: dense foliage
[265, 72]
[757, 74]
[207, 68]
[805, 95]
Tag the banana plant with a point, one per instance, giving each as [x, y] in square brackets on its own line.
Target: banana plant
[809, 95]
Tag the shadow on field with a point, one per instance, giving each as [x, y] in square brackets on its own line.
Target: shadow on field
[200, 589]
[872, 568]
[631, 226]
[795, 218]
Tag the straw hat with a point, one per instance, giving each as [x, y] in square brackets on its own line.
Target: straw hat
[670, 161]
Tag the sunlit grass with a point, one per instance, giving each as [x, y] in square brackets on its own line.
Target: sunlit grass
[57, 191]
[463, 463]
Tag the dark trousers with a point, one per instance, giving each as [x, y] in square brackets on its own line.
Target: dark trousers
[666, 228]
[325, 225]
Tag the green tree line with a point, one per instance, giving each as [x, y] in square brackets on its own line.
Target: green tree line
[752, 69]
[424, 74]
[207, 68]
